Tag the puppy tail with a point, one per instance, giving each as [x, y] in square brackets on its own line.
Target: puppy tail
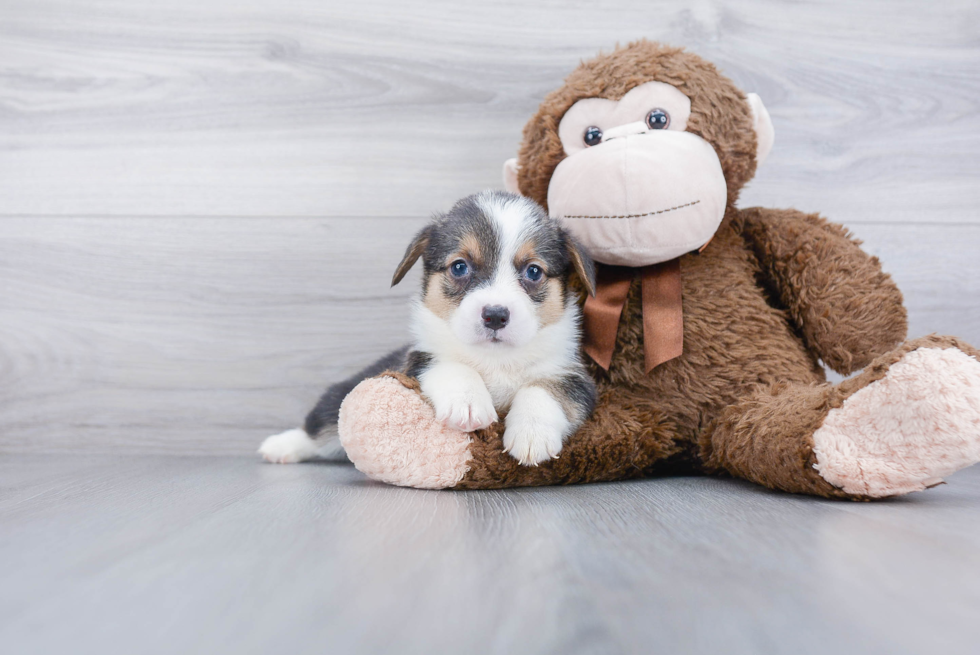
[318, 438]
[296, 445]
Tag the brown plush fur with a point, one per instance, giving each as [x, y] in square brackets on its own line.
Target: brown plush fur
[773, 294]
[833, 318]
[719, 111]
[765, 437]
[750, 366]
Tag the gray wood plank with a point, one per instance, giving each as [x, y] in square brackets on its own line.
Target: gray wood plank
[131, 332]
[382, 108]
[200, 207]
[936, 267]
[201, 336]
[175, 554]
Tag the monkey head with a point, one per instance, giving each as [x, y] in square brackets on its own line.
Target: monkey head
[640, 152]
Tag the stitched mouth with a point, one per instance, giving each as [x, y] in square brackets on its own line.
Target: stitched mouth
[661, 211]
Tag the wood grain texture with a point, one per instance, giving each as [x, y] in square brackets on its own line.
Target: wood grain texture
[204, 335]
[188, 334]
[157, 554]
[201, 202]
[377, 108]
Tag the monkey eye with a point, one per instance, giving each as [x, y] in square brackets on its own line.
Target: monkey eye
[593, 136]
[459, 268]
[658, 119]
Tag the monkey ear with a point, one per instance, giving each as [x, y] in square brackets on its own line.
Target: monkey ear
[584, 266]
[412, 254]
[764, 132]
[510, 175]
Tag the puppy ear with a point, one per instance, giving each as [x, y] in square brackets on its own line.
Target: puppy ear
[584, 266]
[412, 254]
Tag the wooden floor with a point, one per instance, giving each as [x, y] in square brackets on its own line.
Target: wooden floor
[201, 202]
[165, 554]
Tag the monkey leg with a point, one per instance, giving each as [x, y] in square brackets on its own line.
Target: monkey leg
[909, 419]
[390, 434]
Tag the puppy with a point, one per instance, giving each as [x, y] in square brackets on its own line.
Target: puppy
[496, 331]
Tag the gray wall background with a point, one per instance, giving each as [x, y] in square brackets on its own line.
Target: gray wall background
[201, 203]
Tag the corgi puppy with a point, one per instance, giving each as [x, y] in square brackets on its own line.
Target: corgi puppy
[496, 331]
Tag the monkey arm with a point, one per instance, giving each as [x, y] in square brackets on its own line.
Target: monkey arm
[847, 310]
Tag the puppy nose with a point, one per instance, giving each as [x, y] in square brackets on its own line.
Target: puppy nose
[495, 316]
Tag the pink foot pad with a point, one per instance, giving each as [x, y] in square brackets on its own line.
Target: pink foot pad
[907, 431]
[391, 435]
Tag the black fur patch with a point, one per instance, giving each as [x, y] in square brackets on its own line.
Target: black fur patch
[548, 240]
[327, 409]
[465, 219]
[538, 293]
[417, 363]
[580, 390]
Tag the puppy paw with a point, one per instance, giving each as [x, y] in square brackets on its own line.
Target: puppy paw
[531, 443]
[288, 447]
[465, 409]
[459, 397]
[536, 427]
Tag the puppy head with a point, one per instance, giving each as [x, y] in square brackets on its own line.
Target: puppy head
[495, 268]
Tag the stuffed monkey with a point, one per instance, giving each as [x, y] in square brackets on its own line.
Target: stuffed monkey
[710, 322]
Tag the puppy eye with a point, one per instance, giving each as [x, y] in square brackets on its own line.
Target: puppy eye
[533, 273]
[658, 119]
[593, 136]
[459, 268]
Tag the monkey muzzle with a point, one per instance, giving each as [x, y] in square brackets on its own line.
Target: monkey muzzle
[642, 198]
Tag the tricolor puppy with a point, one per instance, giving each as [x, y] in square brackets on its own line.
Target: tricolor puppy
[495, 328]
[495, 331]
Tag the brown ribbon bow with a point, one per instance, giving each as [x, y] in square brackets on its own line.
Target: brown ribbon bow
[663, 316]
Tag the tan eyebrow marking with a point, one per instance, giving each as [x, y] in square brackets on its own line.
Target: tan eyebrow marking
[526, 253]
[469, 247]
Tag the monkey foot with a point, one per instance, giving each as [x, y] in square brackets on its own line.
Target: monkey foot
[391, 434]
[906, 431]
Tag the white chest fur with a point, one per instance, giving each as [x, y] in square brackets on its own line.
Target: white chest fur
[504, 368]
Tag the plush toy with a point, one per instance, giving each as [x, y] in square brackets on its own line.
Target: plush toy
[710, 322]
